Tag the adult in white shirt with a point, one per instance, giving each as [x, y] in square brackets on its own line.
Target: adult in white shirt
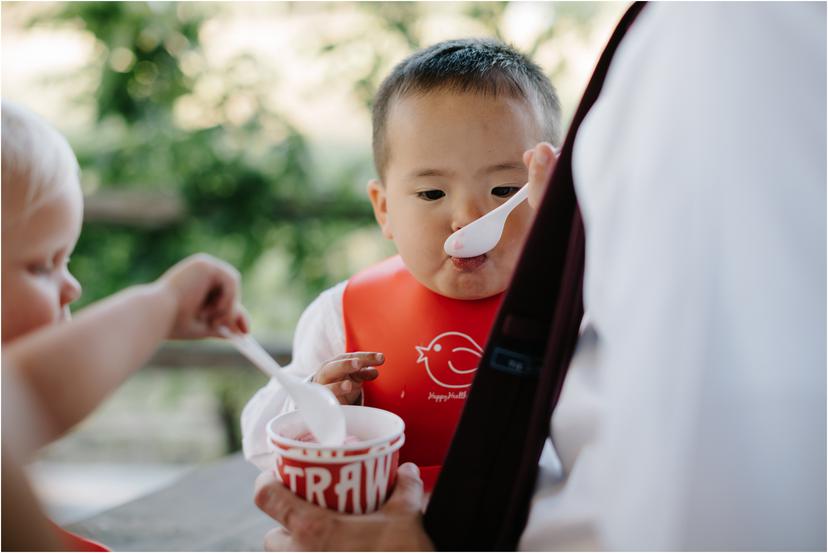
[693, 415]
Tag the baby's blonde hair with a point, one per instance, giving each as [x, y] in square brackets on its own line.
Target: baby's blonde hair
[36, 160]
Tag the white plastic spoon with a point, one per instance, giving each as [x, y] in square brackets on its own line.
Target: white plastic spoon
[483, 234]
[316, 404]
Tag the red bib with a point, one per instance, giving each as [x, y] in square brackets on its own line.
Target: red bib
[74, 542]
[432, 346]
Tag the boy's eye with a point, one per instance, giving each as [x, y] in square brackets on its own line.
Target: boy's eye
[41, 268]
[504, 191]
[431, 195]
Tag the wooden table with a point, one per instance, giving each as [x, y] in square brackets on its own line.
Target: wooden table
[208, 509]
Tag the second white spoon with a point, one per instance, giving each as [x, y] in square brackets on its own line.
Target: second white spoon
[316, 404]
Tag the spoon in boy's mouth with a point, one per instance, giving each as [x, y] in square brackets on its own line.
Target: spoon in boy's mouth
[483, 234]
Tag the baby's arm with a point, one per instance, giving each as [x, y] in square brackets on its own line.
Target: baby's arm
[319, 337]
[73, 366]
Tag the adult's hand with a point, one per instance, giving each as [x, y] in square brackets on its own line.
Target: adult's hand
[397, 526]
[540, 161]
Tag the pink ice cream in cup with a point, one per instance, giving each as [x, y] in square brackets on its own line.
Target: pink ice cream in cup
[355, 477]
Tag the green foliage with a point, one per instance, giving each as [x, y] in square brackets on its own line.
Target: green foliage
[144, 42]
[245, 176]
[237, 182]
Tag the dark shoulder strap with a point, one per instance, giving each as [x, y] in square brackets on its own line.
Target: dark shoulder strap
[481, 500]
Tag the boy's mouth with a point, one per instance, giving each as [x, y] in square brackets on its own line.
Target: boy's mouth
[469, 263]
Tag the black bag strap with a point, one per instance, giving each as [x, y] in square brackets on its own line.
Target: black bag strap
[481, 500]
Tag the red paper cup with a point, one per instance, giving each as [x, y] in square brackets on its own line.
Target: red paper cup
[355, 477]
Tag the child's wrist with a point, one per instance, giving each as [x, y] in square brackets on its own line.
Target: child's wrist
[168, 301]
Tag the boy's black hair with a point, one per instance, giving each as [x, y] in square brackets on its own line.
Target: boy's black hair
[479, 65]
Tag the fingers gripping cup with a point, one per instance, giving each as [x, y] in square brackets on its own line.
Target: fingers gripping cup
[355, 477]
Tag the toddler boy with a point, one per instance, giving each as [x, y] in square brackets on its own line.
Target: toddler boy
[451, 124]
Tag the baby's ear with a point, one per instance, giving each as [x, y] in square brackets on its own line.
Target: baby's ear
[379, 201]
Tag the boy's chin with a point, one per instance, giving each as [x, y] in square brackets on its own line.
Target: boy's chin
[468, 290]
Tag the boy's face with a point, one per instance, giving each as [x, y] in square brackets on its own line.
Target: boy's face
[452, 157]
[37, 285]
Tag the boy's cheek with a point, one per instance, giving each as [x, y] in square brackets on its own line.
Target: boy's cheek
[520, 222]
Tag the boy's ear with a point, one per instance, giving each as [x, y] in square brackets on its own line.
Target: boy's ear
[379, 201]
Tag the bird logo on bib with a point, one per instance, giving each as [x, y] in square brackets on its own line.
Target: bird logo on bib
[432, 346]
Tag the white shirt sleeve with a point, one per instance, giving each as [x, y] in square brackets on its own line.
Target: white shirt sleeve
[319, 336]
[693, 415]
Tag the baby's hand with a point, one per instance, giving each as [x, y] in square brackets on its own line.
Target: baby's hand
[345, 373]
[540, 161]
[206, 292]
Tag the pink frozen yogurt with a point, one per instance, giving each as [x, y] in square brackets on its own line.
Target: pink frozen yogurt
[308, 437]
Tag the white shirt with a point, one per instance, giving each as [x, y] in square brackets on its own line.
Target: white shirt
[319, 336]
[694, 413]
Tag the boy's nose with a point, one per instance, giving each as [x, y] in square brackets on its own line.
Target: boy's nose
[70, 290]
[465, 214]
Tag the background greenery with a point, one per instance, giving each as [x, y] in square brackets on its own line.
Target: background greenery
[251, 190]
